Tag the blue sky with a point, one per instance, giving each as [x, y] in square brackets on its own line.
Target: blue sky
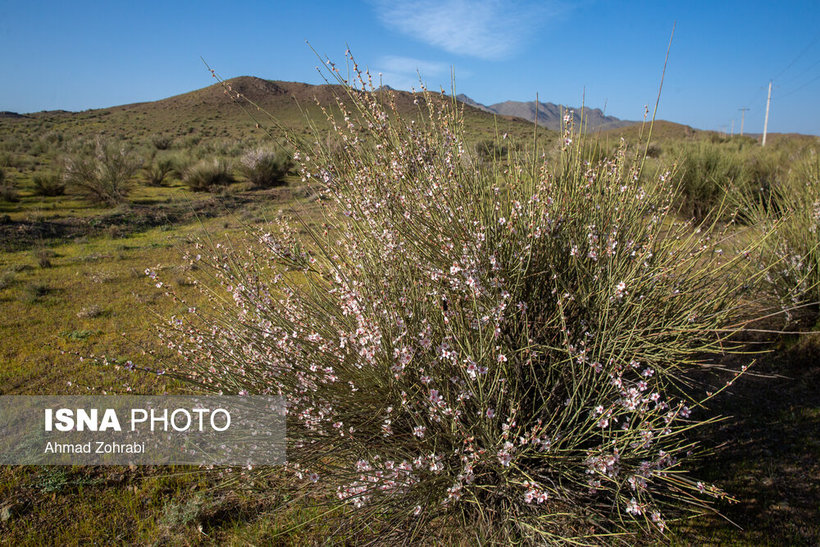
[79, 55]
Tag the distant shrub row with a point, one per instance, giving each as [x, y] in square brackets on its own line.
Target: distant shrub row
[106, 172]
[706, 168]
[264, 168]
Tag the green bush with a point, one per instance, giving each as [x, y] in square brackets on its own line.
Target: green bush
[654, 151]
[40, 147]
[157, 172]
[208, 175]
[490, 150]
[106, 176]
[6, 279]
[790, 256]
[162, 142]
[706, 170]
[500, 352]
[49, 184]
[8, 191]
[762, 171]
[180, 163]
[266, 168]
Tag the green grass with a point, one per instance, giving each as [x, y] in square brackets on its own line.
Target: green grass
[43, 339]
[102, 272]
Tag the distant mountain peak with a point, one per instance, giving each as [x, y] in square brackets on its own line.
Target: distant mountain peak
[549, 115]
[468, 101]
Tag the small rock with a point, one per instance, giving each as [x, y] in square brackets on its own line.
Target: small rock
[9, 510]
[116, 478]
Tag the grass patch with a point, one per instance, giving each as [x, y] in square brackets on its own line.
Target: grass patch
[79, 335]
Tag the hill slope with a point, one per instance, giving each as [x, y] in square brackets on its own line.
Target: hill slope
[210, 112]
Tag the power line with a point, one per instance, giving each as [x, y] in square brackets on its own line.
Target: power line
[795, 78]
[793, 91]
[754, 99]
[805, 49]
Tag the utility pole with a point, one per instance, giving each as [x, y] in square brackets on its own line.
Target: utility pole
[742, 119]
[766, 123]
[732, 134]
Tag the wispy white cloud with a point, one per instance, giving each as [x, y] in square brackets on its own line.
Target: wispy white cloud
[409, 65]
[487, 29]
[408, 73]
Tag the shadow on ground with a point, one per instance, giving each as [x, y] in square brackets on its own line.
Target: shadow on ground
[770, 461]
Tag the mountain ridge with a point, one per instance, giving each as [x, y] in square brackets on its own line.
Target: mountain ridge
[270, 92]
[549, 115]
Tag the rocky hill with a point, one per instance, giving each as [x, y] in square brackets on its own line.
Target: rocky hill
[549, 115]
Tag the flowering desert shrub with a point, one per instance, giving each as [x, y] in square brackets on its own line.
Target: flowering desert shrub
[501, 352]
[266, 168]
